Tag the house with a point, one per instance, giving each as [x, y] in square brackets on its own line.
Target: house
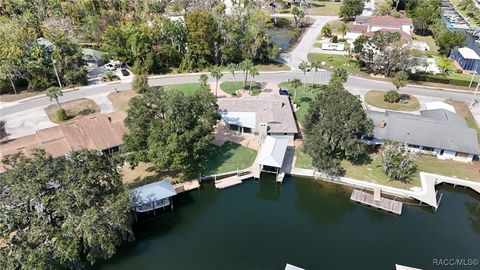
[438, 132]
[103, 133]
[260, 116]
[93, 57]
[367, 25]
[466, 58]
[152, 196]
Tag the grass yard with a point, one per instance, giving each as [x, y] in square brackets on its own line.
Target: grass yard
[144, 174]
[229, 87]
[375, 98]
[303, 160]
[75, 109]
[187, 88]
[430, 164]
[272, 67]
[430, 41]
[332, 61]
[120, 100]
[324, 8]
[305, 95]
[462, 109]
[226, 158]
[19, 96]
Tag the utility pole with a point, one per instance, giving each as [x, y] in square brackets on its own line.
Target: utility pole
[475, 94]
[473, 76]
[56, 73]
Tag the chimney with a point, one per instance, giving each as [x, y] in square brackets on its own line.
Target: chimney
[109, 119]
[262, 131]
[383, 124]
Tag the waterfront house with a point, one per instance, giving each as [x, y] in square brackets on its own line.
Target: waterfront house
[438, 132]
[467, 59]
[367, 25]
[259, 116]
[103, 133]
[152, 196]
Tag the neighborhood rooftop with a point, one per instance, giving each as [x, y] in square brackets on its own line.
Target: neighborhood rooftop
[439, 129]
[99, 132]
[252, 111]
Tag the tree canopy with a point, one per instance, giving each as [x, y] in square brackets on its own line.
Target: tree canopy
[351, 8]
[398, 163]
[334, 126]
[170, 129]
[62, 212]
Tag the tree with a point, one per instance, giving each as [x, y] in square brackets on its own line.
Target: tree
[351, 8]
[246, 65]
[335, 123]
[202, 36]
[400, 79]
[398, 164]
[342, 28]
[140, 83]
[171, 130]
[295, 83]
[444, 64]
[340, 74]
[384, 8]
[54, 93]
[391, 96]
[316, 64]
[298, 15]
[327, 31]
[448, 40]
[204, 82]
[62, 213]
[216, 73]
[253, 71]
[232, 68]
[304, 66]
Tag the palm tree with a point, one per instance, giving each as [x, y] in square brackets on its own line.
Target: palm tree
[315, 65]
[232, 68]
[342, 28]
[341, 74]
[216, 73]
[304, 67]
[253, 71]
[246, 65]
[54, 93]
[295, 83]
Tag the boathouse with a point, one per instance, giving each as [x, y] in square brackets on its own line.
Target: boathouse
[467, 58]
[152, 196]
[272, 154]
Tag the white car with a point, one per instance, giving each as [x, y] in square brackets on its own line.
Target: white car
[110, 67]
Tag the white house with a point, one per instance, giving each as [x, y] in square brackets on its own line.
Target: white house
[260, 116]
[367, 25]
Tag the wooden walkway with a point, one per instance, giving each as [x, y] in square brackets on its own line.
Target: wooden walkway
[377, 201]
[232, 180]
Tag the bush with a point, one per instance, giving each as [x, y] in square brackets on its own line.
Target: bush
[334, 39]
[391, 97]
[78, 77]
[39, 84]
[61, 115]
[109, 76]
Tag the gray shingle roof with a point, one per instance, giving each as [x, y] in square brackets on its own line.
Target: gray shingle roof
[435, 128]
[274, 110]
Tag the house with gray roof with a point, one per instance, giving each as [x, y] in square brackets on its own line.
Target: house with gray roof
[438, 132]
[260, 116]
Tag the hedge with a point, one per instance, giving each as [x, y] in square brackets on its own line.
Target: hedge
[438, 78]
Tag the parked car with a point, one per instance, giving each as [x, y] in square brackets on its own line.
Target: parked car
[124, 72]
[110, 67]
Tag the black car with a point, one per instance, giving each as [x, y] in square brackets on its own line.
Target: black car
[283, 91]
[124, 72]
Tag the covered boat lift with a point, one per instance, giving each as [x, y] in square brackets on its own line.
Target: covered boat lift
[152, 196]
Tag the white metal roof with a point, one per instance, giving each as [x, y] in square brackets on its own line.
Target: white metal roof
[273, 151]
[468, 53]
[439, 105]
[244, 119]
[152, 192]
[292, 267]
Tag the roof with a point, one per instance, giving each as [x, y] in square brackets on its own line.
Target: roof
[468, 53]
[273, 110]
[273, 151]
[403, 35]
[358, 28]
[91, 54]
[45, 42]
[244, 119]
[97, 132]
[362, 19]
[440, 129]
[389, 21]
[152, 192]
[292, 267]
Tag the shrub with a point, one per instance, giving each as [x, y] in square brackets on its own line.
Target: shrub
[109, 76]
[391, 96]
[334, 39]
[78, 77]
[61, 115]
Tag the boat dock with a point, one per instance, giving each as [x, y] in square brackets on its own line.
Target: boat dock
[377, 201]
[233, 180]
[186, 186]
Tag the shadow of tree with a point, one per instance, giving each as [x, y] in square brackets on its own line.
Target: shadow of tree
[215, 156]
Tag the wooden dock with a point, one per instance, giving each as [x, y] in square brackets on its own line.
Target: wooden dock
[375, 200]
[232, 180]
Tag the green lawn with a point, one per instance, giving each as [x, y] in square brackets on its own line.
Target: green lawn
[226, 158]
[303, 160]
[375, 98]
[336, 61]
[323, 8]
[272, 67]
[430, 41]
[305, 95]
[469, 171]
[230, 87]
[186, 88]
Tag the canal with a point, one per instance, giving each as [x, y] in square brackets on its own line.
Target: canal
[308, 223]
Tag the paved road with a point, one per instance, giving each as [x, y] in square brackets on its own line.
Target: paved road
[354, 84]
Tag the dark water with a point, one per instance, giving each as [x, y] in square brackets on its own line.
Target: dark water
[311, 224]
[282, 37]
